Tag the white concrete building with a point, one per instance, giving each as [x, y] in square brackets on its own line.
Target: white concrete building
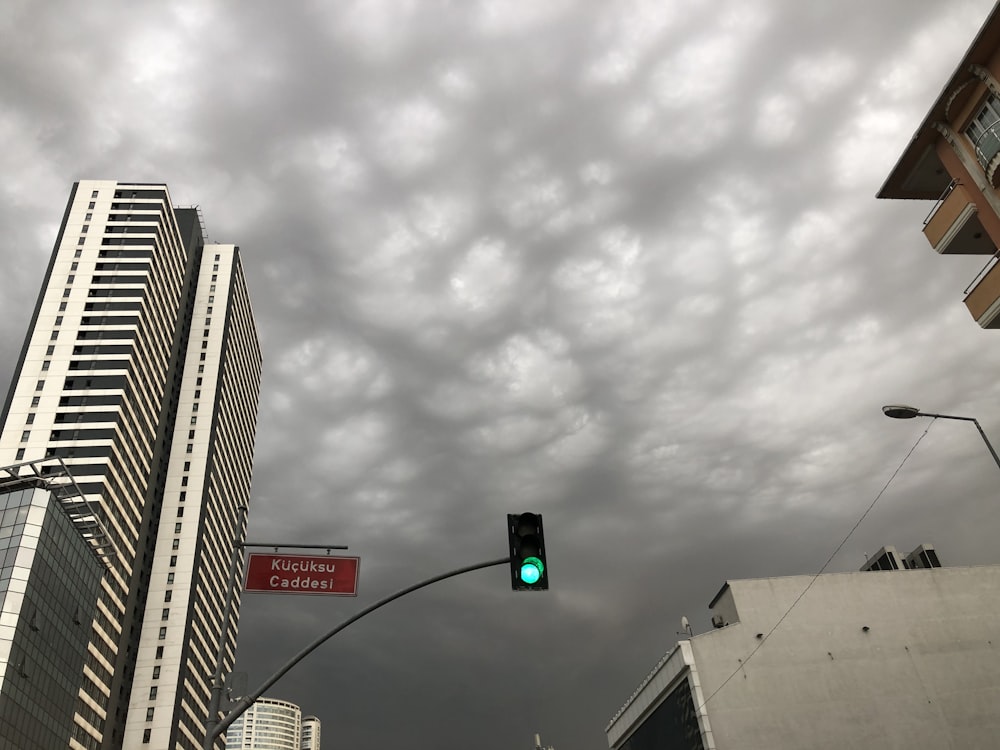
[269, 724]
[140, 372]
[900, 659]
[311, 733]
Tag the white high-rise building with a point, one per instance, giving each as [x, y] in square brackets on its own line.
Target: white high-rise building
[311, 730]
[140, 374]
[269, 724]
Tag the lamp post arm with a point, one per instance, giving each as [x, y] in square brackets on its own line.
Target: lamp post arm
[988, 444]
[248, 700]
[975, 421]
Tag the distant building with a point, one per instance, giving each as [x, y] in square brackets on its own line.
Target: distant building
[907, 658]
[953, 161]
[310, 733]
[269, 724]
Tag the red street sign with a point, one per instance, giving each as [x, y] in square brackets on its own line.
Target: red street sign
[302, 574]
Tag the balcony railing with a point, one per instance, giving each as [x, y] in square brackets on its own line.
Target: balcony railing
[982, 295]
[988, 145]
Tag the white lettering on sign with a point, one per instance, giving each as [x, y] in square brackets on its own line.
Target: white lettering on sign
[300, 583]
[308, 566]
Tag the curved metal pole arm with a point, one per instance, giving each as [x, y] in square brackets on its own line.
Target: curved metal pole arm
[248, 700]
[975, 421]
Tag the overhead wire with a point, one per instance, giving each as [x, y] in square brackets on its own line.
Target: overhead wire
[835, 552]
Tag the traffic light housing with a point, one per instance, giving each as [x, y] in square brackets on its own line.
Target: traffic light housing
[528, 569]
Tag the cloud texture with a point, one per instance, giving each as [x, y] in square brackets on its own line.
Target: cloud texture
[619, 263]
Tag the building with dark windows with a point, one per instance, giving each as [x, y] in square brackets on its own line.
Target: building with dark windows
[139, 376]
[898, 655]
[953, 163]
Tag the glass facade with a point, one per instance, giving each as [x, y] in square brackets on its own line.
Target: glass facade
[672, 726]
[49, 582]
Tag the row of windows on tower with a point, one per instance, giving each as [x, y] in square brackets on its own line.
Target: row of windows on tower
[175, 544]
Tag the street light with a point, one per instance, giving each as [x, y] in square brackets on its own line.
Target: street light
[901, 411]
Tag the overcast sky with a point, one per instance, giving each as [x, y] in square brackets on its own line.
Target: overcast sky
[619, 263]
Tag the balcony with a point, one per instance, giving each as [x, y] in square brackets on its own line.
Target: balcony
[988, 152]
[983, 295]
[953, 226]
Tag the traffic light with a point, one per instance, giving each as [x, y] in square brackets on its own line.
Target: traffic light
[528, 570]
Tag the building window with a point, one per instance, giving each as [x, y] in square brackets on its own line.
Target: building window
[93, 194]
[984, 130]
[84, 228]
[35, 400]
[190, 448]
[198, 381]
[79, 242]
[152, 693]
[173, 561]
[166, 614]
[54, 335]
[149, 714]
[170, 577]
[45, 365]
[184, 482]
[19, 455]
[197, 394]
[183, 496]
[202, 357]
[25, 435]
[176, 544]
[31, 418]
[59, 320]
[163, 634]
[62, 307]
[146, 734]
[211, 298]
[39, 385]
[169, 593]
[65, 292]
[180, 512]
[159, 652]
[88, 217]
[156, 673]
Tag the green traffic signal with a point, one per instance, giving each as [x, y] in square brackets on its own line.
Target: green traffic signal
[527, 552]
[531, 570]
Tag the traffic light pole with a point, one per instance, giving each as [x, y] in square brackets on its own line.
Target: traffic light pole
[215, 729]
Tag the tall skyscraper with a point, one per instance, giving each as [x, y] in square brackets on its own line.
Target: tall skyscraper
[140, 374]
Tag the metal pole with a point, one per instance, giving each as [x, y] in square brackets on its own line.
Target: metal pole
[216, 699]
[975, 421]
[248, 700]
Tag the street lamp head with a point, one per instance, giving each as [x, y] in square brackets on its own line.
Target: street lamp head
[900, 411]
